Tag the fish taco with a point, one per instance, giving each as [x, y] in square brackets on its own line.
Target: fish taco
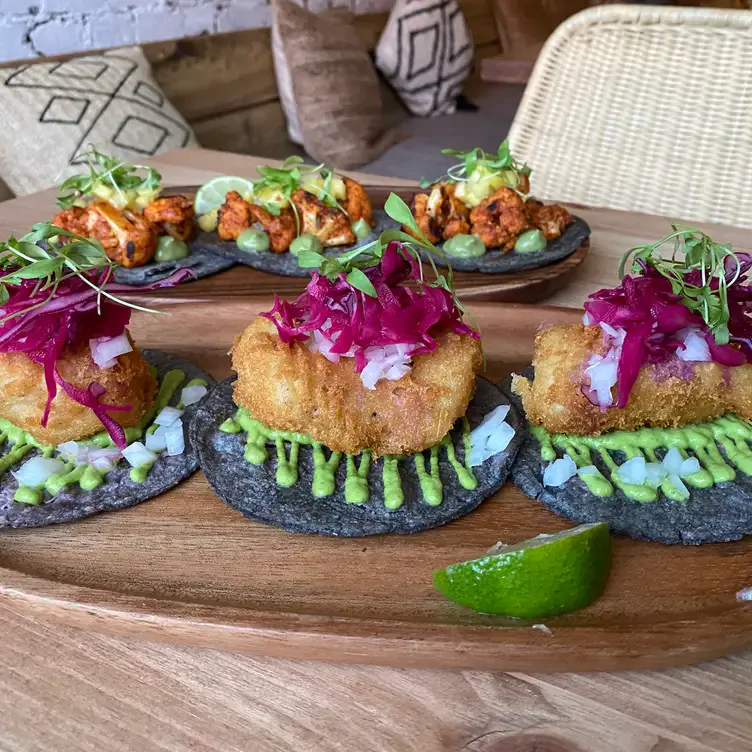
[641, 415]
[88, 422]
[358, 409]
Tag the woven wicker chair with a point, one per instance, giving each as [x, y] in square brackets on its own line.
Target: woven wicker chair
[644, 109]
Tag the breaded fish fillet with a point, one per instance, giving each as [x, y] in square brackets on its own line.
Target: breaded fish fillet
[23, 394]
[668, 394]
[291, 388]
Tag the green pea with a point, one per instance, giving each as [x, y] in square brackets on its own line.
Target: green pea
[306, 242]
[253, 241]
[529, 241]
[464, 246]
[170, 249]
[362, 229]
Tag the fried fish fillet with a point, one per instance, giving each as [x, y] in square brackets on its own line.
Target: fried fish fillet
[23, 394]
[291, 388]
[669, 394]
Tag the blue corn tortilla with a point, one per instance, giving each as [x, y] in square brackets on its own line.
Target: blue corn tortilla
[718, 514]
[252, 489]
[200, 259]
[496, 262]
[118, 491]
[285, 264]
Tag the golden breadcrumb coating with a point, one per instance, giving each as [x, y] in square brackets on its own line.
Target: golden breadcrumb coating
[288, 387]
[659, 397]
[23, 393]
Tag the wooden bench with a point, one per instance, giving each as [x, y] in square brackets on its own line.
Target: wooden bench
[224, 84]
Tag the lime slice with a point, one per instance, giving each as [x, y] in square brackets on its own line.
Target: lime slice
[211, 195]
[539, 577]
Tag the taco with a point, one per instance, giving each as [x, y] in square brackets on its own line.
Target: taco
[88, 422]
[358, 408]
[289, 209]
[483, 217]
[146, 234]
[640, 416]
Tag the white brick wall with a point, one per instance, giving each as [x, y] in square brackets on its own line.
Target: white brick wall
[29, 28]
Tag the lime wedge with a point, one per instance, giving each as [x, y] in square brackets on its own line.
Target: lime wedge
[211, 195]
[539, 577]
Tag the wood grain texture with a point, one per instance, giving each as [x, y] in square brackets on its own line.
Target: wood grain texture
[176, 568]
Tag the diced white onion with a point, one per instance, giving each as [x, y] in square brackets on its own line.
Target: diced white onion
[632, 471]
[602, 373]
[192, 394]
[558, 472]
[745, 594]
[491, 436]
[615, 334]
[695, 348]
[174, 439]
[37, 470]
[103, 459]
[673, 461]
[156, 442]
[72, 451]
[679, 484]
[388, 362]
[167, 416]
[690, 466]
[137, 454]
[587, 470]
[655, 474]
[105, 350]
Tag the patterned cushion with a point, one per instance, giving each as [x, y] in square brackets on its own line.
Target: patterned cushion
[51, 112]
[426, 52]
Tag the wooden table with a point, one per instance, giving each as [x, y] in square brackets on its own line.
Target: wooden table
[63, 689]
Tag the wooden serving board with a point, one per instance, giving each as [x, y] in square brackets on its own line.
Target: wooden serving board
[185, 568]
[527, 286]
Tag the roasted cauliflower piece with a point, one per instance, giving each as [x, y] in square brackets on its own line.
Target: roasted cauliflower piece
[550, 219]
[500, 219]
[357, 204]
[128, 238]
[327, 223]
[174, 214]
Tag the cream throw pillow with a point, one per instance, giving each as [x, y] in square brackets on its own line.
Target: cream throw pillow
[335, 87]
[284, 84]
[426, 53]
[51, 112]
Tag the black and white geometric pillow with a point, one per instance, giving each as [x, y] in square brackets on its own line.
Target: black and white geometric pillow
[426, 53]
[51, 112]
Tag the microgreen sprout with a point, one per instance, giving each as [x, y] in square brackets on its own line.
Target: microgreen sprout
[285, 180]
[695, 257]
[51, 255]
[501, 164]
[352, 263]
[108, 173]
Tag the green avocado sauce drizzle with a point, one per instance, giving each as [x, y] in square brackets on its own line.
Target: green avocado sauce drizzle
[356, 479]
[87, 476]
[730, 432]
